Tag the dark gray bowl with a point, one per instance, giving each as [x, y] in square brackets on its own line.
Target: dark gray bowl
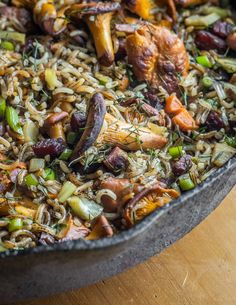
[51, 269]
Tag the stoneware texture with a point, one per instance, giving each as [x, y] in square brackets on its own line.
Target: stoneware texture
[50, 269]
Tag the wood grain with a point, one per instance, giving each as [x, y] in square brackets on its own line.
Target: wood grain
[200, 269]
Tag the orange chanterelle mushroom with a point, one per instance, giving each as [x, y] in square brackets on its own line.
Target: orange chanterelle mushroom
[157, 56]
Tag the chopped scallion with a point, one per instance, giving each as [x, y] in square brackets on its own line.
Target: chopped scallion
[7, 45]
[175, 151]
[202, 21]
[186, 183]
[15, 224]
[204, 61]
[207, 82]
[71, 137]
[15, 36]
[49, 174]
[13, 120]
[31, 180]
[65, 155]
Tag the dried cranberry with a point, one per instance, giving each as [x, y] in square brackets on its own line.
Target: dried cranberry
[182, 165]
[52, 147]
[214, 122]
[78, 121]
[153, 100]
[208, 41]
[117, 160]
[222, 29]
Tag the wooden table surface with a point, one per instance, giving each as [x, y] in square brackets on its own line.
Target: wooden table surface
[200, 269]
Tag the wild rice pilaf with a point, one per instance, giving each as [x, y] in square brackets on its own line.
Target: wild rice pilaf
[108, 111]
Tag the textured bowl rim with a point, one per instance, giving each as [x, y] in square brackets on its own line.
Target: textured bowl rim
[86, 245]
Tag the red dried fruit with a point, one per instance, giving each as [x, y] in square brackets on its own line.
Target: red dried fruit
[52, 147]
[214, 122]
[117, 160]
[222, 29]
[182, 165]
[207, 41]
[78, 121]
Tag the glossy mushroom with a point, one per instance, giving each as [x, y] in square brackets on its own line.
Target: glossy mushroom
[157, 56]
[97, 16]
[94, 123]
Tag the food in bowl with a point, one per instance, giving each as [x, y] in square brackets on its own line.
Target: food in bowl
[109, 111]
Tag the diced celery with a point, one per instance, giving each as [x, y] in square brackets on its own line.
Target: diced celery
[31, 131]
[31, 180]
[36, 164]
[186, 183]
[49, 174]
[67, 190]
[84, 208]
[13, 120]
[202, 21]
[15, 224]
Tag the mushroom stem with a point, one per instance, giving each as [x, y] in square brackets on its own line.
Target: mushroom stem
[101, 30]
[98, 17]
